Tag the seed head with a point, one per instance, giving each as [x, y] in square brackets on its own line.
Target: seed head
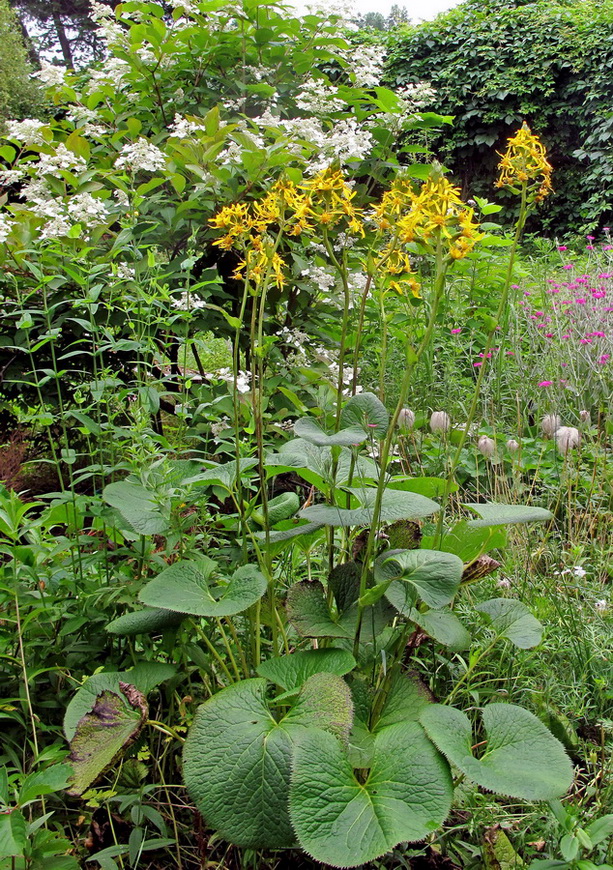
[406, 420]
[486, 446]
[550, 424]
[512, 445]
[567, 438]
[440, 421]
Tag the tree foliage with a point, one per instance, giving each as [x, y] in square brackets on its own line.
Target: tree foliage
[19, 95]
[496, 63]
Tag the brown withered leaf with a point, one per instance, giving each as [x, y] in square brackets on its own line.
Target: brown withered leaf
[481, 567]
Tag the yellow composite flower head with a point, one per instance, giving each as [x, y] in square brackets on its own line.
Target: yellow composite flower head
[235, 220]
[525, 162]
[330, 201]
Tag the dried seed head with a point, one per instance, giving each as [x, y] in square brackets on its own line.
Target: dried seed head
[585, 417]
[567, 438]
[406, 420]
[440, 421]
[550, 424]
[486, 446]
[512, 445]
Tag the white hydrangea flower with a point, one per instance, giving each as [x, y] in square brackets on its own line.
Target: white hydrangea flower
[188, 302]
[50, 74]
[93, 131]
[81, 115]
[181, 128]
[27, 131]
[6, 225]
[318, 98]
[62, 158]
[320, 276]
[140, 155]
[83, 208]
[125, 272]
[122, 197]
[10, 176]
[367, 65]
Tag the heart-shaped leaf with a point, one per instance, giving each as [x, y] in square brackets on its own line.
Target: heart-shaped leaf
[506, 514]
[511, 619]
[443, 626]
[293, 670]
[187, 587]
[309, 613]
[103, 734]
[137, 506]
[395, 505]
[367, 412]
[431, 575]
[237, 757]
[521, 757]
[311, 431]
[344, 822]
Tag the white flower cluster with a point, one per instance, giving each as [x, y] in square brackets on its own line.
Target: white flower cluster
[316, 97]
[242, 381]
[366, 65]
[10, 176]
[342, 12]
[28, 131]
[6, 225]
[140, 155]
[181, 128]
[62, 158]
[346, 141]
[188, 302]
[113, 73]
[219, 427]
[83, 208]
[320, 276]
[125, 272]
[417, 95]
[50, 74]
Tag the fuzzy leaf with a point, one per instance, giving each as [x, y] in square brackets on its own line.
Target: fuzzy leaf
[311, 431]
[102, 734]
[510, 618]
[521, 758]
[395, 505]
[137, 506]
[293, 670]
[186, 587]
[308, 611]
[343, 822]
[237, 757]
[365, 411]
[406, 699]
[431, 575]
[506, 514]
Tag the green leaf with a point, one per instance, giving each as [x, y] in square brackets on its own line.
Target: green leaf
[506, 514]
[343, 822]
[512, 619]
[600, 829]
[365, 411]
[222, 475]
[104, 733]
[293, 670]
[295, 531]
[308, 429]
[145, 676]
[395, 506]
[237, 757]
[521, 758]
[467, 542]
[498, 851]
[443, 626]
[432, 487]
[430, 574]
[186, 587]
[406, 699]
[137, 506]
[308, 611]
[13, 836]
[152, 620]
[48, 781]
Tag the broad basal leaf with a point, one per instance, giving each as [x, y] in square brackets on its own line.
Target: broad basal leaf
[344, 822]
[442, 626]
[189, 587]
[406, 699]
[145, 676]
[311, 431]
[148, 621]
[430, 575]
[395, 505]
[367, 412]
[137, 506]
[511, 619]
[102, 734]
[506, 514]
[237, 757]
[308, 612]
[293, 670]
[520, 758]
[224, 475]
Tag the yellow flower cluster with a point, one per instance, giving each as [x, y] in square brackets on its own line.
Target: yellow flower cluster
[325, 200]
[525, 162]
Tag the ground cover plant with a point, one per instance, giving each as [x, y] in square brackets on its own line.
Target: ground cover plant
[267, 598]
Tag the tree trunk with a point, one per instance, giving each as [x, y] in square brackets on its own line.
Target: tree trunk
[63, 39]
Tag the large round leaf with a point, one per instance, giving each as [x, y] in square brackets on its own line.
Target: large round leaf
[344, 822]
[293, 670]
[521, 758]
[311, 431]
[138, 507]
[237, 757]
[368, 412]
[492, 514]
[395, 505]
[431, 575]
[188, 587]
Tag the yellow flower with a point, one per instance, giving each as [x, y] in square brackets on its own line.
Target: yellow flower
[525, 162]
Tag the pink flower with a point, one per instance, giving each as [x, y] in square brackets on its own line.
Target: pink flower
[604, 358]
[600, 294]
[477, 364]
[590, 238]
[568, 266]
[562, 248]
[545, 383]
[456, 331]
[581, 300]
